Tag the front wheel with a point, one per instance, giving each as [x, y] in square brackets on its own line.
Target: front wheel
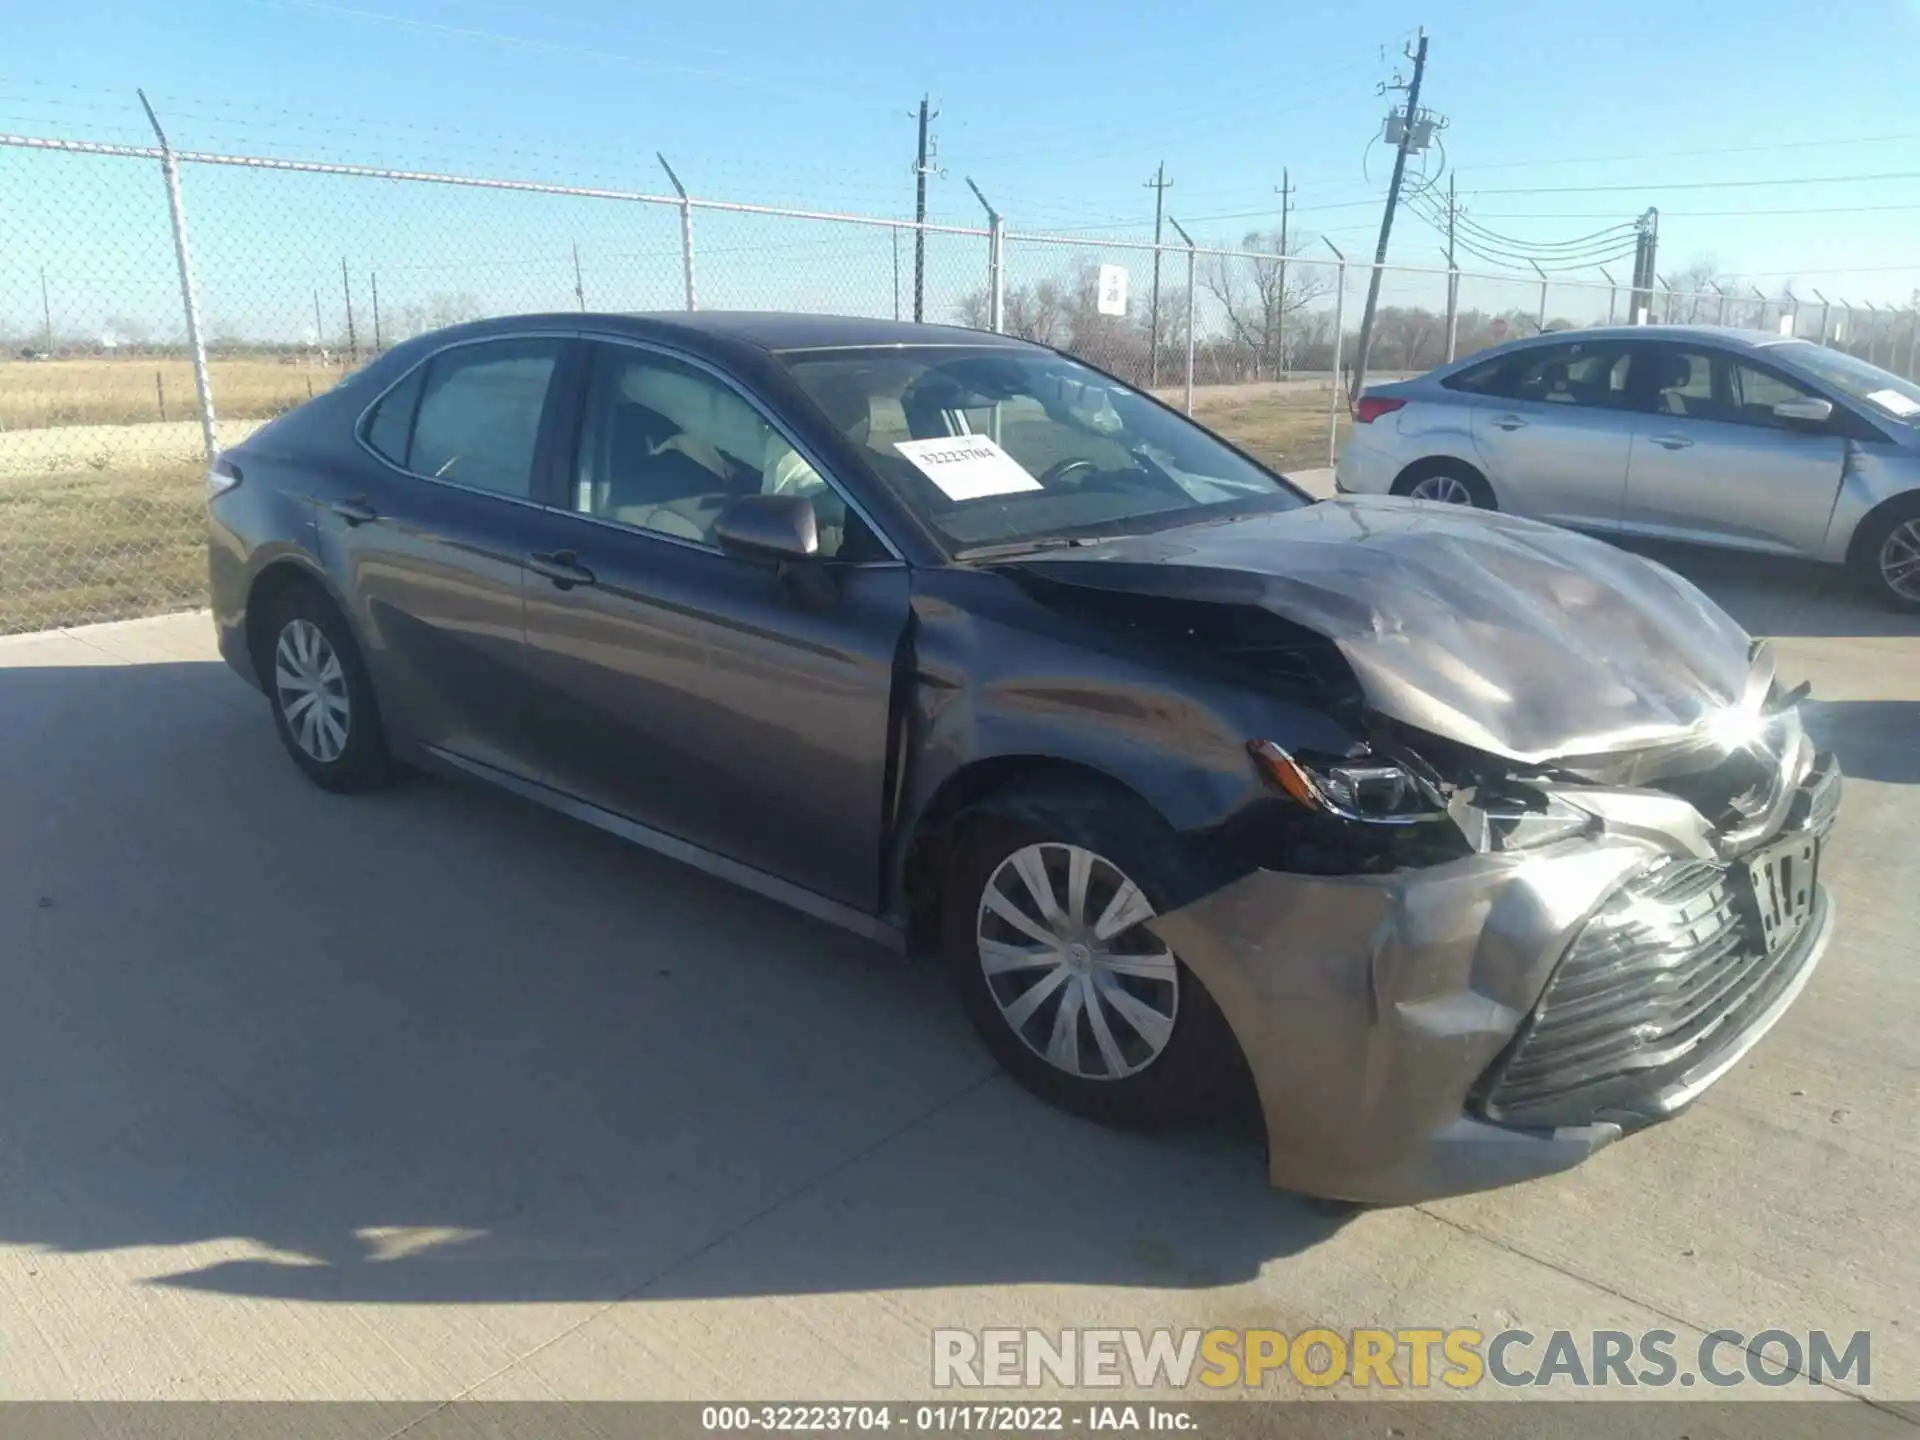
[1888, 558]
[1043, 932]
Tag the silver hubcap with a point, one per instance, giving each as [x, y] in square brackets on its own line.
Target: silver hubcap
[312, 691]
[1900, 560]
[1447, 489]
[1082, 982]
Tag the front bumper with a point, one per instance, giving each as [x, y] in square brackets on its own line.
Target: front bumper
[1377, 1014]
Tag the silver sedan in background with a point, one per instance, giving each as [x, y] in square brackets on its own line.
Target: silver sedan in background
[1715, 436]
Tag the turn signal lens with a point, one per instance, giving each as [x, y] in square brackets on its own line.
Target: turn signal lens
[1378, 792]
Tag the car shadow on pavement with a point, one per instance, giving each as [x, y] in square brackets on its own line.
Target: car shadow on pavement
[1778, 595]
[438, 1045]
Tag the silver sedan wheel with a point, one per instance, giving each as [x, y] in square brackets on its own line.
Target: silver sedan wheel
[311, 690]
[1900, 560]
[1447, 489]
[1083, 984]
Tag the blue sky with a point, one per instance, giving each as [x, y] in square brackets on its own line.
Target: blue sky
[1563, 119]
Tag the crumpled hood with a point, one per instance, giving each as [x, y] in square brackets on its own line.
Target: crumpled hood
[1514, 637]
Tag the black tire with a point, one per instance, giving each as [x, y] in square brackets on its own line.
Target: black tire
[1193, 1073]
[1871, 547]
[1471, 479]
[361, 762]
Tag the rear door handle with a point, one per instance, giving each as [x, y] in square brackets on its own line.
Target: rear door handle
[562, 567]
[355, 511]
[1672, 442]
[1511, 422]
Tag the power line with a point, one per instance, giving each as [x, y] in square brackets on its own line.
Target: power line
[1695, 154]
[1645, 185]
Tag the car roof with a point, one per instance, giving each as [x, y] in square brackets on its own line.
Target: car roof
[776, 331]
[1723, 334]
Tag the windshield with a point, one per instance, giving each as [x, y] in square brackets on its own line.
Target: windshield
[999, 447]
[1855, 378]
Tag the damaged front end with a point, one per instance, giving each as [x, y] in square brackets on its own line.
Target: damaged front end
[1567, 872]
[1590, 958]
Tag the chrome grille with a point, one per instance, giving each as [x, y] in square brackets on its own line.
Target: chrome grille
[1675, 960]
[1670, 965]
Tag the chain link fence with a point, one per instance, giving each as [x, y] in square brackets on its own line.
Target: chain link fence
[295, 272]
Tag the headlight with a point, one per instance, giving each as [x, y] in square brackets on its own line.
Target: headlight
[1369, 789]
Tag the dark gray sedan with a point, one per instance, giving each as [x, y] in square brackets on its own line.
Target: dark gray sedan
[1471, 843]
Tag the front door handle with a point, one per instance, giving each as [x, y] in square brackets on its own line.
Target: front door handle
[562, 567]
[1511, 422]
[1672, 442]
[355, 511]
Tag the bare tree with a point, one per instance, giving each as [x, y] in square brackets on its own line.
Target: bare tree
[1693, 300]
[1262, 295]
[436, 311]
[1038, 311]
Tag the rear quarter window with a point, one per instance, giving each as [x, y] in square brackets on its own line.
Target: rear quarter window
[391, 421]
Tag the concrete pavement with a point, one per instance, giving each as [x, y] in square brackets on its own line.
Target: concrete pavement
[433, 1095]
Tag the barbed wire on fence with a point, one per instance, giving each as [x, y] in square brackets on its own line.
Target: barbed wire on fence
[300, 270]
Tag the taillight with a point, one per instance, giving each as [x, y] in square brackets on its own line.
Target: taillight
[222, 476]
[1372, 407]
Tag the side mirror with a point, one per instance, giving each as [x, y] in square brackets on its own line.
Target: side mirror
[1806, 409]
[769, 529]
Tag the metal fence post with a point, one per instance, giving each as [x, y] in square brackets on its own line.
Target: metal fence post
[686, 229]
[1339, 341]
[1873, 331]
[1913, 347]
[996, 262]
[189, 297]
[1190, 307]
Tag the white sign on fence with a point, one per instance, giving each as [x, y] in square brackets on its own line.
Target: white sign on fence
[1113, 290]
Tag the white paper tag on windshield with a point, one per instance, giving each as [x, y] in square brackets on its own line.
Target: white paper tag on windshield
[967, 467]
[1894, 403]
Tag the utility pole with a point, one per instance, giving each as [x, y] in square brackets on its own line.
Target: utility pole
[1646, 255]
[1453, 275]
[346, 289]
[579, 284]
[1158, 184]
[921, 169]
[1407, 134]
[319, 326]
[46, 308]
[1286, 197]
[373, 284]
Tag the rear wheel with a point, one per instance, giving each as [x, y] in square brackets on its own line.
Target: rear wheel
[1446, 482]
[1888, 557]
[323, 705]
[1043, 932]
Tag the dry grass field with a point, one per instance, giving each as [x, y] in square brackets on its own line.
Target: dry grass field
[95, 390]
[101, 513]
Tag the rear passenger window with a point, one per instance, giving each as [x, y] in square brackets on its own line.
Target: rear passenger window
[1482, 379]
[477, 418]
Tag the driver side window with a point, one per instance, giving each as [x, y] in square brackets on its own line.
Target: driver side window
[664, 447]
